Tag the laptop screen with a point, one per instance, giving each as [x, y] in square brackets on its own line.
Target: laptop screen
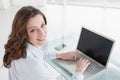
[95, 46]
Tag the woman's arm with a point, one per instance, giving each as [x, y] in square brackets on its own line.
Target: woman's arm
[65, 56]
[72, 55]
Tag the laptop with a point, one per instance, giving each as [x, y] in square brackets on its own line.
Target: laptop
[94, 47]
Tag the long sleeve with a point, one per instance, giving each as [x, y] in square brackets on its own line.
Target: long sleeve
[29, 69]
[49, 56]
[33, 67]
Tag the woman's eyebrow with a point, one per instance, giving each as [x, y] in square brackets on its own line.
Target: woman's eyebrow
[31, 27]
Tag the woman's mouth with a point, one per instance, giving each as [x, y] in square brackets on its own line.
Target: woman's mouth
[41, 39]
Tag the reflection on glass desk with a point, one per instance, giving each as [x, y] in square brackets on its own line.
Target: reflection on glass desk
[110, 73]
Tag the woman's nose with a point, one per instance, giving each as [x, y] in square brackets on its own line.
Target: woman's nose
[42, 32]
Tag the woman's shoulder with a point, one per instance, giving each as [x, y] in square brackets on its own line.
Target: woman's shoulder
[25, 62]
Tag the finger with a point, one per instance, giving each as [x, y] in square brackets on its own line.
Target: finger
[77, 54]
[81, 59]
[87, 62]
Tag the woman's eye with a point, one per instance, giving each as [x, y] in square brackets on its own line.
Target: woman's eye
[43, 25]
[33, 30]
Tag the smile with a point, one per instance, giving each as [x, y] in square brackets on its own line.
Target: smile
[41, 39]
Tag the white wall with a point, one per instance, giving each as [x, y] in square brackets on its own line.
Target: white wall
[4, 4]
[112, 29]
[28, 2]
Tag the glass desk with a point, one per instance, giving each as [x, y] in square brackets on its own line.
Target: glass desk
[110, 73]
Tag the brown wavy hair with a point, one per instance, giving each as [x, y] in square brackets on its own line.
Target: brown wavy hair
[15, 48]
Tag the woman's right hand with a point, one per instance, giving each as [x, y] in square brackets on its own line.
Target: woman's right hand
[82, 65]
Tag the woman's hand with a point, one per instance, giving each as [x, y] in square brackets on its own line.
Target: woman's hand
[72, 55]
[82, 65]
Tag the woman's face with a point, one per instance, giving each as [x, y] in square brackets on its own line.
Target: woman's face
[36, 30]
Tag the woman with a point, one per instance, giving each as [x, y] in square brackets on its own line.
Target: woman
[23, 55]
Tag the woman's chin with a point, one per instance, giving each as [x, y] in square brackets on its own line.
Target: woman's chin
[42, 42]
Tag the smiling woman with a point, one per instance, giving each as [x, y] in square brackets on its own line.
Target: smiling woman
[36, 30]
[17, 43]
[23, 53]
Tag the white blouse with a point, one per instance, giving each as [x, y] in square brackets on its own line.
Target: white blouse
[33, 66]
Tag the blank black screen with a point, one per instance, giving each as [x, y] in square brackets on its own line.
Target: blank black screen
[94, 46]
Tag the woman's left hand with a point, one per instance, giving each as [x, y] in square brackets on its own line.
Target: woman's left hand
[72, 55]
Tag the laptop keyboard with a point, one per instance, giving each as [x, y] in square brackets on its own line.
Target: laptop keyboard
[91, 67]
